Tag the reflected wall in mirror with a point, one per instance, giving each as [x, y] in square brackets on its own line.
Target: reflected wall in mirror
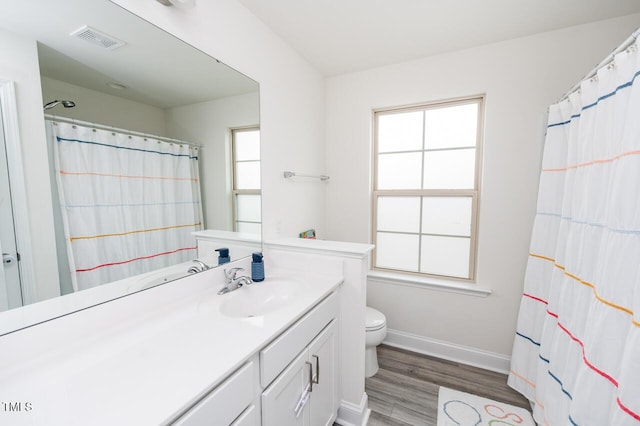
[150, 87]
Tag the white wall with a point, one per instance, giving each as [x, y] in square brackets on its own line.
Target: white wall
[291, 102]
[19, 63]
[208, 124]
[101, 108]
[520, 79]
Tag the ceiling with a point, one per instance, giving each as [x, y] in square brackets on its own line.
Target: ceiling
[335, 36]
[156, 68]
[340, 36]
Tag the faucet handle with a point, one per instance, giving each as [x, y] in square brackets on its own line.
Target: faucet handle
[231, 273]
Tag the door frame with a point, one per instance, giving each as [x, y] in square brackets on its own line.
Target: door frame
[9, 109]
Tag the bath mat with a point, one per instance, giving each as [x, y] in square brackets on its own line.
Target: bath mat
[464, 409]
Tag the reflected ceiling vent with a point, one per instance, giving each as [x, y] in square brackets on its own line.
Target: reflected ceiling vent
[97, 37]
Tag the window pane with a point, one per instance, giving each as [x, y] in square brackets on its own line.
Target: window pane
[400, 131]
[446, 215]
[248, 175]
[249, 228]
[399, 214]
[397, 251]
[451, 127]
[445, 256]
[450, 169]
[248, 208]
[399, 171]
[425, 170]
[247, 145]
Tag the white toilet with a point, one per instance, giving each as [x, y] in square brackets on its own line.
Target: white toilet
[376, 331]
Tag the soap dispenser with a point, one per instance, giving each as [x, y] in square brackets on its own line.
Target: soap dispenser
[257, 267]
[223, 255]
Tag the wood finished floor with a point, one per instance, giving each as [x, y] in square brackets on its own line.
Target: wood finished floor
[404, 392]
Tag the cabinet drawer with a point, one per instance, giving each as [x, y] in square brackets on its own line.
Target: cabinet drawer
[279, 353]
[225, 403]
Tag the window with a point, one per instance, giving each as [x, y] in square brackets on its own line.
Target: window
[426, 183]
[246, 180]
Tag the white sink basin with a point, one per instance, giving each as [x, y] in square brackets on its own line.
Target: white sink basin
[255, 300]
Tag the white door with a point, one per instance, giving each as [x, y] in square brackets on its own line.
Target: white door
[324, 397]
[283, 396]
[10, 289]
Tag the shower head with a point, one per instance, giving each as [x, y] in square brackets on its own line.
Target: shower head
[66, 104]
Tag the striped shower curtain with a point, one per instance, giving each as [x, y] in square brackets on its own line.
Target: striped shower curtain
[129, 203]
[576, 353]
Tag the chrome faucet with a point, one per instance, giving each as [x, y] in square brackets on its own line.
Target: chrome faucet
[199, 267]
[234, 282]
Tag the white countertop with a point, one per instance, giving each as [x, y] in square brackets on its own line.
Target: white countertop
[142, 359]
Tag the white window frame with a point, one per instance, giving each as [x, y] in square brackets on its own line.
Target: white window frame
[234, 191]
[473, 193]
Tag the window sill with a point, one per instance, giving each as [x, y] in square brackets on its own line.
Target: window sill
[448, 286]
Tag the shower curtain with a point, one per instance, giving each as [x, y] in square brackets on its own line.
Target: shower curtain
[576, 353]
[129, 203]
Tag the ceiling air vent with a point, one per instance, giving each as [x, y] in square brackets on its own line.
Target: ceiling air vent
[97, 37]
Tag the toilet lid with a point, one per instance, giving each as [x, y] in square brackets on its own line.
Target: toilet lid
[375, 319]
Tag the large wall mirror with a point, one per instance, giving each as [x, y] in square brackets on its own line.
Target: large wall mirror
[122, 104]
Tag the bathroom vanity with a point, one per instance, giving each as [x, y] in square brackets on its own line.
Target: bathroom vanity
[277, 352]
[294, 377]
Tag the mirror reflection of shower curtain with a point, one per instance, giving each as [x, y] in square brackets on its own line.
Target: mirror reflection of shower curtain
[128, 203]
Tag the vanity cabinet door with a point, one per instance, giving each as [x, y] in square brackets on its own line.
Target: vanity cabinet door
[324, 396]
[280, 399]
[290, 400]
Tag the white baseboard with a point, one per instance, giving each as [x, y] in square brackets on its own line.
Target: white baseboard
[350, 414]
[449, 351]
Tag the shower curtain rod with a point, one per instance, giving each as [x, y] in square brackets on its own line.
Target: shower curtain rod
[624, 45]
[116, 129]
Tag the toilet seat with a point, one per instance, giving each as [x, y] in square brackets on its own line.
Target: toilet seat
[374, 319]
